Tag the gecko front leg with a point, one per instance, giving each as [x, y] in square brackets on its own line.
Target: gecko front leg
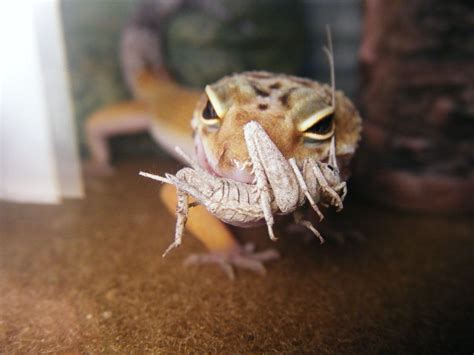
[224, 250]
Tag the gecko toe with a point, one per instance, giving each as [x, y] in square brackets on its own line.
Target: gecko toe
[245, 258]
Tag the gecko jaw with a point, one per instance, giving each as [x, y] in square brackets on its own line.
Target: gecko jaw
[239, 173]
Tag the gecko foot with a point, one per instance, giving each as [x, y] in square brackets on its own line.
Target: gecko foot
[244, 258]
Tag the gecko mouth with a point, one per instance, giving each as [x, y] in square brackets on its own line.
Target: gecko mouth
[237, 174]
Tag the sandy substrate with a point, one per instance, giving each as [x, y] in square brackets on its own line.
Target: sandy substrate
[87, 276]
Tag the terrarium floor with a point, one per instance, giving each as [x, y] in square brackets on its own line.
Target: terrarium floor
[87, 276]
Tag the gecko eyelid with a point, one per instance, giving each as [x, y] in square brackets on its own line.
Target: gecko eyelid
[214, 110]
[215, 102]
[315, 118]
[321, 129]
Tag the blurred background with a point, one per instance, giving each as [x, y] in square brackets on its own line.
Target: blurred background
[199, 42]
[98, 48]
[410, 76]
[94, 91]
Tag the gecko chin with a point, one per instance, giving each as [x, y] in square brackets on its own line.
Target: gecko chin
[208, 163]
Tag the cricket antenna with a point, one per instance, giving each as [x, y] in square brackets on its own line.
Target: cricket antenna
[330, 54]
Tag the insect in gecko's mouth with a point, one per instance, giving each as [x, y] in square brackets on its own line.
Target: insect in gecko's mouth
[238, 173]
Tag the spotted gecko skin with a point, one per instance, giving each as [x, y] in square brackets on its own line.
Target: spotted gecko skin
[282, 105]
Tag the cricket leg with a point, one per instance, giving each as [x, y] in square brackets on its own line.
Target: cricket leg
[212, 232]
[122, 118]
[341, 189]
[223, 248]
[304, 188]
[182, 210]
[325, 188]
[272, 172]
[201, 223]
[332, 159]
[298, 219]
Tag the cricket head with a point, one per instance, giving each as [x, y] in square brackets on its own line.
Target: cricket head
[300, 116]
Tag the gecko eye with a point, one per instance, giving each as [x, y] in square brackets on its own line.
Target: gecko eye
[209, 115]
[321, 129]
[323, 126]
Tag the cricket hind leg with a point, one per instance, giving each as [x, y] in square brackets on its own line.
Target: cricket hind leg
[304, 188]
[264, 190]
[182, 211]
[273, 174]
[334, 229]
[299, 219]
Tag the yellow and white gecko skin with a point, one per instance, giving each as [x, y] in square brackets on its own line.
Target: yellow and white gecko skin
[299, 115]
[296, 113]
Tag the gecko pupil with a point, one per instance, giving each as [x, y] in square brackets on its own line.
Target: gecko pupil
[323, 126]
[209, 112]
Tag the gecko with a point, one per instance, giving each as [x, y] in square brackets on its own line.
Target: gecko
[303, 121]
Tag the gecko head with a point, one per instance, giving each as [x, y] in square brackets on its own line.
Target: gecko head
[295, 113]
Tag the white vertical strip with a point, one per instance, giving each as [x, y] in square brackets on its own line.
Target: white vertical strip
[27, 166]
[57, 88]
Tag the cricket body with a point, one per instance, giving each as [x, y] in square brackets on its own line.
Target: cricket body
[266, 143]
